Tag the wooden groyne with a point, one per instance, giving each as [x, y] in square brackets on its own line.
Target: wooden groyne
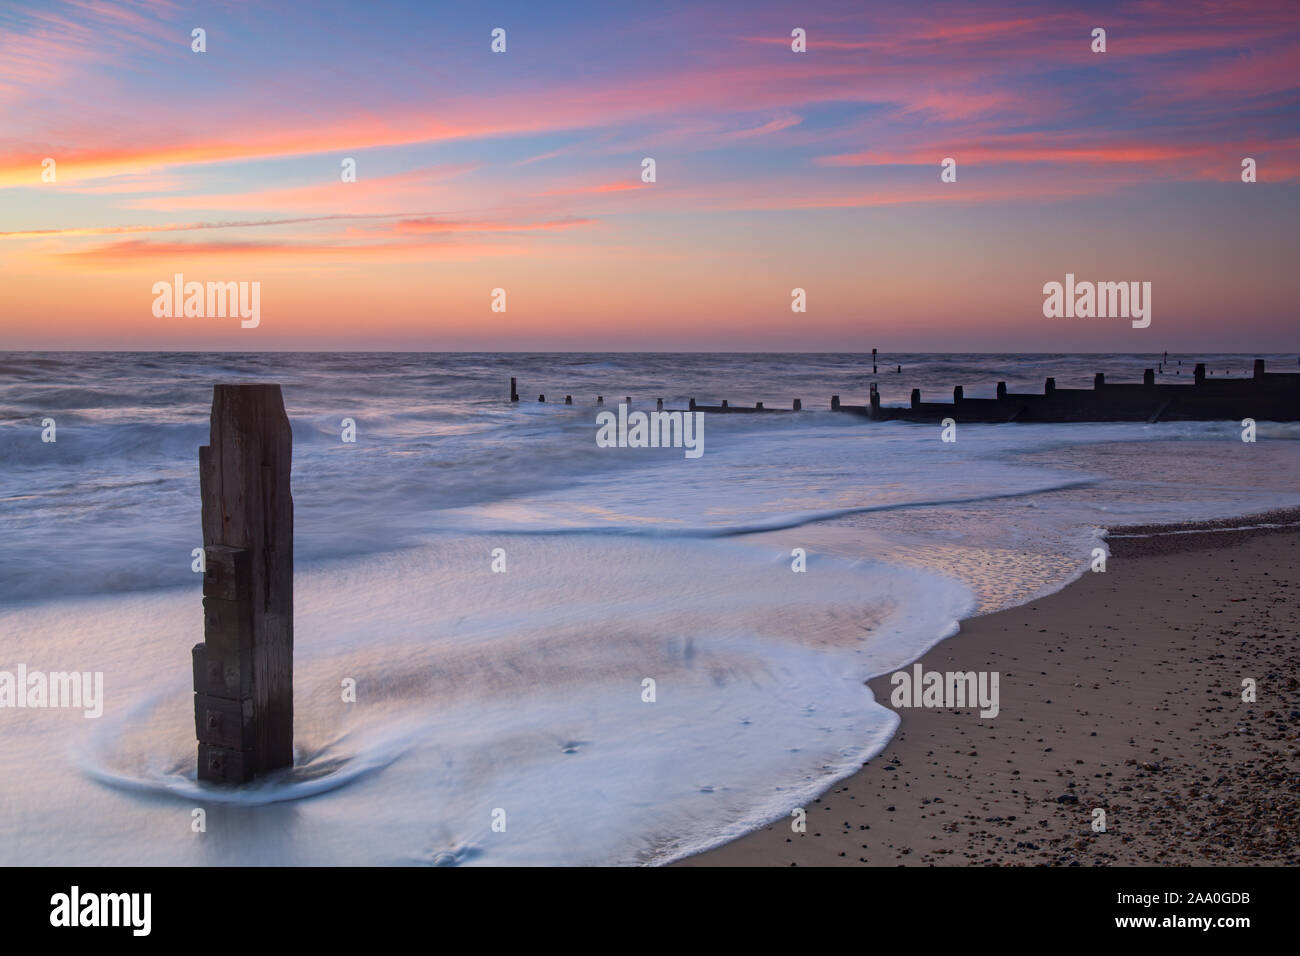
[243, 670]
[1265, 396]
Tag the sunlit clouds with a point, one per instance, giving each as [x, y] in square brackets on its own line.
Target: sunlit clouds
[523, 170]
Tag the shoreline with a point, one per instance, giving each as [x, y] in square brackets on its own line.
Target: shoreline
[1120, 692]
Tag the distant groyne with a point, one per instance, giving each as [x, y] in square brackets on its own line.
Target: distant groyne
[1265, 396]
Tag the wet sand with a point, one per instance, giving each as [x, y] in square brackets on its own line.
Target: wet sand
[1122, 692]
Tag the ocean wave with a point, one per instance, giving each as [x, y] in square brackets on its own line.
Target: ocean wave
[781, 523]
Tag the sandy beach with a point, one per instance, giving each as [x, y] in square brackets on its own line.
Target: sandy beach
[1121, 692]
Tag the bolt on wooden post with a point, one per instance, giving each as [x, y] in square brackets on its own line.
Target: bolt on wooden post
[243, 670]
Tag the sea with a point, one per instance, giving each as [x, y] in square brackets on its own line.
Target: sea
[514, 646]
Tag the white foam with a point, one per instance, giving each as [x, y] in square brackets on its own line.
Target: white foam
[519, 691]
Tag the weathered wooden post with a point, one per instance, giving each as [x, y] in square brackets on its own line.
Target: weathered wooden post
[541, 398]
[600, 399]
[875, 399]
[1049, 386]
[758, 406]
[1198, 373]
[873, 361]
[1002, 391]
[692, 406]
[798, 405]
[243, 670]
[957, 394]
[1259, 369]
[724, 403]
[916, 398]
[568, 399]
[1099, 380]
[1149, 377]
[659, 405]
[514, 392]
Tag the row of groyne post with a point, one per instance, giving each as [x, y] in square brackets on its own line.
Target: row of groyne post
[692, 406]
[1268, 396]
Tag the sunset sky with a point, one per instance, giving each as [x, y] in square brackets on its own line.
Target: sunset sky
[522, 170]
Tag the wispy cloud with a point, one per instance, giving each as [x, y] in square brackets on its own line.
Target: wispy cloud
[764, 155]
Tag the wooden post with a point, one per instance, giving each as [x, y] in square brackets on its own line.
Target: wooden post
[956, 394]
[659, 405]
[724, 403]
[1259, 368]
[758, 406]
[1002, 390]
[692, 404]
[873, 361]
[916, 398]
[568, 399]
[541, 398]
[600, 399]
[1049, 386]
[835, 403]
[875, 398]
[798, 405]
[1199, 373]
[243, 670]
[1149, 377]
[1099, 380]
[514, 392]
